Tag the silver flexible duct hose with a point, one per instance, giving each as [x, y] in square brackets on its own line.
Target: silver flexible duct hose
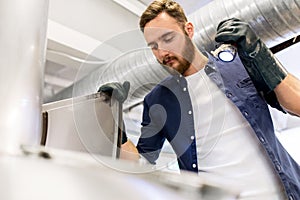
[139, 67]
[274, 21]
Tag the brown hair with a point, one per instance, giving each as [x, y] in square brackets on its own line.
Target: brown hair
[172, 8]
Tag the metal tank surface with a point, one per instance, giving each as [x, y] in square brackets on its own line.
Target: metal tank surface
[85, 124]
[80, 144]
[23, 27]
[56, 174]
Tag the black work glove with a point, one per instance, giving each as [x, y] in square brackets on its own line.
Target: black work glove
[116, 90]
[263, 68]
[120, 93]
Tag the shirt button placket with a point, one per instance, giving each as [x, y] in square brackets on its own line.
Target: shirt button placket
[291, 197]
[262, 139]
[229, 95]
[278, 167]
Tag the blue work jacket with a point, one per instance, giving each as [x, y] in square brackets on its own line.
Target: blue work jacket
[168, 114]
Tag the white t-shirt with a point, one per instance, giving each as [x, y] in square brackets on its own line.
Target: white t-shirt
[227, 145]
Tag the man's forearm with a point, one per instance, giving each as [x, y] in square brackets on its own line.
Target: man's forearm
[288, 94]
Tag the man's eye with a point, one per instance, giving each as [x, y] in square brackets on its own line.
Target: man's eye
[169, 39]
[153, 46]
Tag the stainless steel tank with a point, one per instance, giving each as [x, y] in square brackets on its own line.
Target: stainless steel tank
[23, 26]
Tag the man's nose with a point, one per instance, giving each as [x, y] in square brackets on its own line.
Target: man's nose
[162, 53]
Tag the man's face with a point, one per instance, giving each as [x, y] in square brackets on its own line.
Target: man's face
[169, 43]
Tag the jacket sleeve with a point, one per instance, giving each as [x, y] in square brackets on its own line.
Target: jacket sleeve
[152, 139]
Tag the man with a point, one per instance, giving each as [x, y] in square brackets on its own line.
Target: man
[213, 114]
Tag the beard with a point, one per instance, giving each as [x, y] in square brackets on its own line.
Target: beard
[185, 59]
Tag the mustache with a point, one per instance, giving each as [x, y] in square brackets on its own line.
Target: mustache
[166, 59]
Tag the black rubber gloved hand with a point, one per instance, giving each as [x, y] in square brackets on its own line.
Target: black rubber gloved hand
[120, 93]
[263, 68]
[117, 90]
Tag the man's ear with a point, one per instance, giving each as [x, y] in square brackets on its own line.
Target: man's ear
[189, 29]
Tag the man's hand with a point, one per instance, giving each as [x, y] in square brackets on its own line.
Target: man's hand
[117, 90]
[234, 31]
[129, 152]
[263, 68]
